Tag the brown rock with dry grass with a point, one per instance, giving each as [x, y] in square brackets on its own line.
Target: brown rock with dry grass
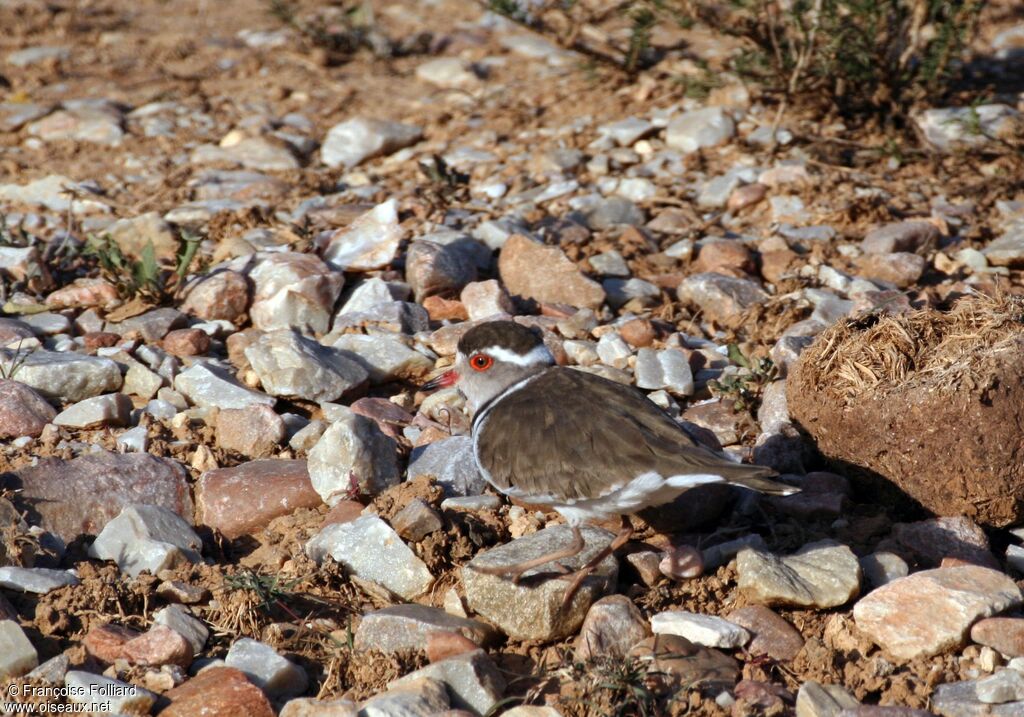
[929, 402]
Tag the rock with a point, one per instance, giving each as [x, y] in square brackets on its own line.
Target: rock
[23, 412]
[85, 293]
[291, 290]
[275, 675]
[900, 268]
[292, 366]
[724, 256]
[15, 115]
[208, 385]
[370, 242]
[697, 129]
[81, 496]
[150, 326]
[1004, 686]
[447, 72]
[545, 274]
[613, 351]
[882, 568]
[931, 611]
[177, 618]
[384, 358]
[113, 409]
[636, 293]
[186, 342]
[668, 369]
[908, 236]
[1006, 250]
[960, 699]
[424, 696]
[221, 295]
[371, 550]
[721, 298]
[352, 455]
[416, 521]
[409, 627]
[17, 656]
[242, 500]
[160, 645]
[613, 212]
[485, 299]
[532, 610]
[53, 192]
[255, 432]
[473, 681]
[745, 196]
[951, 128]
[451, 462]
[351, 142]
[822, 574]
[51, 671]
[106, 642]
[817, 700]
[681, 563]
[772, 635]
[133, 234]
[399, 317]
[100, 123]
[674, 662]
[931, 541]
[1004, 634]
[438, 269]
[340, 707]
[217, 691]
[35, 580]
[706, 630]
[612, 626]
[146, 537]
[259, 153]
[103, 695]
[627, 131]
[65, 377]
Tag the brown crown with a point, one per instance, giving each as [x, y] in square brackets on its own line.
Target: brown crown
[506, 334]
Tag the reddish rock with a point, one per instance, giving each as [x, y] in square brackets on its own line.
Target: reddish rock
[934, 540]
[389, 417]
[612, 626]
[11, 330]
[746, 196]
[440, 309]
[224, 294]
[485, 299]
[681, 563]
[674, 661]
[772, 635]
[254, 431]
[344, 511]
[160, 645]
[100, 339]
[725, 256]
[1003, 634]
[217, 692]
[81, 496]
[544, 273]
[187, 342]
[84, 293]
[638, 332]
[106, 642]
[779, 264]
[444, 644]
[242, 500]
[23, 412]
[900, 268]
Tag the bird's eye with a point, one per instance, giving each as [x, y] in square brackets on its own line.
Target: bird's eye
[481, 362]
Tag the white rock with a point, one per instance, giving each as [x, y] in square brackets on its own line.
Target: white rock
[352, 141]
[102, 695]
[352, 455]
[207, 385]
[178, 619]
[66, 377]
[291, 290]
[370, 242]
[35, 580]
[706, 630]
[948, 128]
[54, 192]
[275, 675]
[447, 72]
[135, 440]
[17, 656]
[370, 292]
[668, 369]
[370, 549]
[694, 130]
[292, 366]
[451, 462]
[385, 358]
[1000, 688]
[613, 350]
[146, 537]
[112, 409]
[625, 132]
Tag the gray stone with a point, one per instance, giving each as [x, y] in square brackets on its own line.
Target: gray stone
[707, 630]
[532, 609]
[447, 72]
[612, 626]
[473, 680]
[397, 317]
[668, 369]
[259, 153]
[627, 131]
[133, 234]
[1004, 686]
[370, 242]
[353, 454]
[15, 115]
[951, 128]
[613, 350]
[91, 121]
[275, 675]
[383, 358]
[612, 212]
[424, 697]
[65, 377]
[960, 699]
[409, 627]
[292, 366]
[1007, 250]
[472, 503]
[51, 671]
[54, 193]
[208, 385]
[882, 568]
[140, 381]
[371, 550]
[697, 129]
[416, 521]
[178, 619]
[35, 580]
[817, 700]
[624, 291]
[452, 463]
[439, 269]
[822, 574]
[146, 537]
[306, 437]
[102, 695]
[901, 236]
[38, 54]
[112, 409]
[372, 291]
[609, 263]
[721, 298]
[486, 299]
[353, 141]
[17, 656]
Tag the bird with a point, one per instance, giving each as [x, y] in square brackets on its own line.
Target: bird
[588, 447]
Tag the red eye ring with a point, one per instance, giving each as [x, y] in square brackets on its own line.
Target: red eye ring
[481, 362]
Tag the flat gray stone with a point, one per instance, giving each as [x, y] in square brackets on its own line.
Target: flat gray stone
[112, 409]
[65, 377]
[17, 656]
[384, 358]
[206, 385]
[473, 680]
[35, 580]
[960, 699]
[697, 129]
[103, 695]
[1004, 686]
[292, 366]
[408, 627]
[817, 700]
[146, 538]
[272, 673]
[451, 462]
[822, 574]
[721, 298]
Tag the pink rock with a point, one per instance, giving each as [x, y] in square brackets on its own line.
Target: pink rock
[681, 563]
[220, 692]
[1004, 634]
[84, 293]
[745, 196]
[546, 274]
[23, 412]
[106, 642]
[773, 636]
[344, 511]
[900, 268]
[444, 644]
[223, 294]
[725, 256]
[242, 500]
[11, 330]
[484, 299]
[187, 342]
[254, 431]
[160, 645]
[612, 626]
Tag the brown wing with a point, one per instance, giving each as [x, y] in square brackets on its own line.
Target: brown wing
[599, 436]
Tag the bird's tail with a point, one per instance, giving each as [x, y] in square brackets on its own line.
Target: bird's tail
[757, 478]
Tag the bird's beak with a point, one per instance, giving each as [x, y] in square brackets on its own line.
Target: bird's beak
[448, 378]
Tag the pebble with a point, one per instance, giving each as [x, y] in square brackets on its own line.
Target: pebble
[370, 242]
[23, 412]
[697, 129]
[65, 377]
[667, 369]
[1000, 688]
[931, 611]
[473, 680]
[960, 699]
[371, 550]
[272, 673]
[177, 618]
[254, 432]
[1006, 250]
[146, 537]
[707, 630]
[613, 351]
[681, 563]
[103, 695]
[217, 691]
[485, 299]
[35, 580]
[222, 294]
[1004, 634]
[243, 499]
[353, 141]
[384, 358]
[210, 386]
[545, 274]
[612, 626]
[636, 293]
[290, 365]
[291, 290]
[673, 662]
[160, 645]
[409, 627]
[416, 521]
[150, 326]
[51, 192]
[721, 298]
[821, 574]
[772, 635]
[538, 614]
[447, 72]
[908, 236]
[951, 128]
[259, 153]
[423, 696]
[931, 541]
[133, 234]
[17, 656]
[113, 409]
[817, 700]
[37, 55]
[902, 269]
[352, 455]
[613, 212]
[439, 269]
[627, 131]
[186, 342]
[100, 123]
[882, 567]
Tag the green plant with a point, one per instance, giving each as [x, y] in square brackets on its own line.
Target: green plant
[143, 278]
[269, 590]
[9, 369]
[617, 687]
[744, 387]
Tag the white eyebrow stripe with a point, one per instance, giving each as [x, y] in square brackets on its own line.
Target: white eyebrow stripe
[537, 355]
